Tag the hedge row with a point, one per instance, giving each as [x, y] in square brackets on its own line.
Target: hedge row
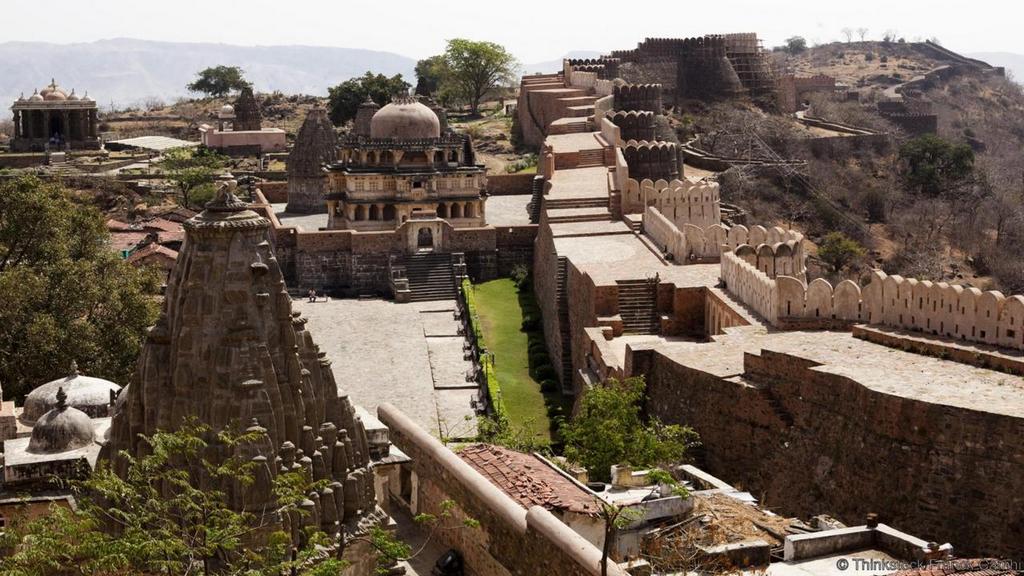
[496, 402]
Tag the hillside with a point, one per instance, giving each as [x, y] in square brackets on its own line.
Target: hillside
[126, 71]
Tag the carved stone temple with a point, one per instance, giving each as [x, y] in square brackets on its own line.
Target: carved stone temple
[229, 351]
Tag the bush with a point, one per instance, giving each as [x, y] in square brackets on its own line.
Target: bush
[869, 57]
[546, 372]
[537, 347]
[874, 204]
[549, 386]
[538, 359]
[520, 276]
[530, 323]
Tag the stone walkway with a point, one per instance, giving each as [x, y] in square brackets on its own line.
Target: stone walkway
[407, 354]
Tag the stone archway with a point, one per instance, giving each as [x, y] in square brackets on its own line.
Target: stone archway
[425, 239]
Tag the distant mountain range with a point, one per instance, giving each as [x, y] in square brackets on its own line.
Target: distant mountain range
[1014, 63]
[126, 71]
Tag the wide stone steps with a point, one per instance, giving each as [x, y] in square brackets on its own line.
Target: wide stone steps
[559, 215]
[568, 126]
[430, 277]
[588, 158]
[638, 307]
[580, 111]
[561, 203]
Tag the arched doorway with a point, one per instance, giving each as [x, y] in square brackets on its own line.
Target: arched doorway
[425, 239]
[57, 132]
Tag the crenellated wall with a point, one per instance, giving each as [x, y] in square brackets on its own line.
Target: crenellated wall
[653, 160]
[682, 202]
[638, 97]
[635, 124]
[773, 251]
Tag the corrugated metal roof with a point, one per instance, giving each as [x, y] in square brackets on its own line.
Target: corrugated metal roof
[158, 143]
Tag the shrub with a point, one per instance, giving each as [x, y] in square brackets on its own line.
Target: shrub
[546, 372]
[520, 275]
[869, 57]
[530, 323]
[538, 359]
[549, 386]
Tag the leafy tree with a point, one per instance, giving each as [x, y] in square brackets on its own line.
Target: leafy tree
[608, 429]
[193, 171]
[219, 81]
[155, 520]
[796, 44]
[346, 97]
[430, 73]
[64, 295]
[839, 251]
[935, 167]
[474, 68]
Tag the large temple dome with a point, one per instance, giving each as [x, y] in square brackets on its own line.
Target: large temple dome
[88, 394]
[405, 119]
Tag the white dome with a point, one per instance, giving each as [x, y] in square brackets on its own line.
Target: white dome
[61, 429]
[405, 119]
[88, 394]
[226, 111]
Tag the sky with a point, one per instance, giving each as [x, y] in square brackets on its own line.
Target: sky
[533, 30]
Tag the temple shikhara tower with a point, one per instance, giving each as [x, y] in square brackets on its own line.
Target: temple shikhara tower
[314, 147]
[229, 351]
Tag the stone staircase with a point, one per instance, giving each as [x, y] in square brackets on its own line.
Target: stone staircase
[562, 215]
[569, 125]
[638, 306]
[590, 158]
[562, 299]
[536, 200]
[430, 276]
[777, 407]
[560, 203]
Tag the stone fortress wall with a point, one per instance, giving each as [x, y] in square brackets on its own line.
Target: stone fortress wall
[682, 202]
[773, 251]
[933, 308]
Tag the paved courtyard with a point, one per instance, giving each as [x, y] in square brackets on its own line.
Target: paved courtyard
[407, 354]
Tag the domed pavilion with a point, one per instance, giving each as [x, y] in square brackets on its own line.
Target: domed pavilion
[403, 171]
[53, 118]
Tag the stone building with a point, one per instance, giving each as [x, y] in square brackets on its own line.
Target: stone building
[228, 350]
[406, 169]
[53, 119]
[240, 131]
[315, 146]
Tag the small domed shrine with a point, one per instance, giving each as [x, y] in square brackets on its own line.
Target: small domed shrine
[239, 130]
[85, 393]
[54, 119]
[403, 171]
[63, 444]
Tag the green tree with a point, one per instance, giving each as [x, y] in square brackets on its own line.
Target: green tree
[935, 167]
[796, 44]
[609, 429]
[155, 520]
[193, 171]
[430, 73]
[345, 98]
[474, 68]
[839, 251]
[64, 295]
[219, 81]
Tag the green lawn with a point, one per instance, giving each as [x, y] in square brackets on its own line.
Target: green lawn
[500, 308]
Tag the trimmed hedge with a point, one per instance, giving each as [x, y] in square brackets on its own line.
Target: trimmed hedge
[486, 359]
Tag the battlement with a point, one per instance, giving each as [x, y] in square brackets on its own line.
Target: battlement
[653, 160]
[634, 124]
[638, 97]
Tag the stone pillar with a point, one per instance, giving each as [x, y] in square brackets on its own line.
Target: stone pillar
[66, 117]
[46, 125]
[17, 124]
[92, 123]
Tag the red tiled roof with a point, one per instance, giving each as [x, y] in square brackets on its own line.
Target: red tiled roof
[120, 241]
[527, 479]
[151, 250]
[118, 226]
[167, 230]
[966, 567]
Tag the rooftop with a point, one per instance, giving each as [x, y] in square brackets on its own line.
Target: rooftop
[527, 479]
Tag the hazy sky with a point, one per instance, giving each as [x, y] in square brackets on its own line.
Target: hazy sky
[535, 30]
